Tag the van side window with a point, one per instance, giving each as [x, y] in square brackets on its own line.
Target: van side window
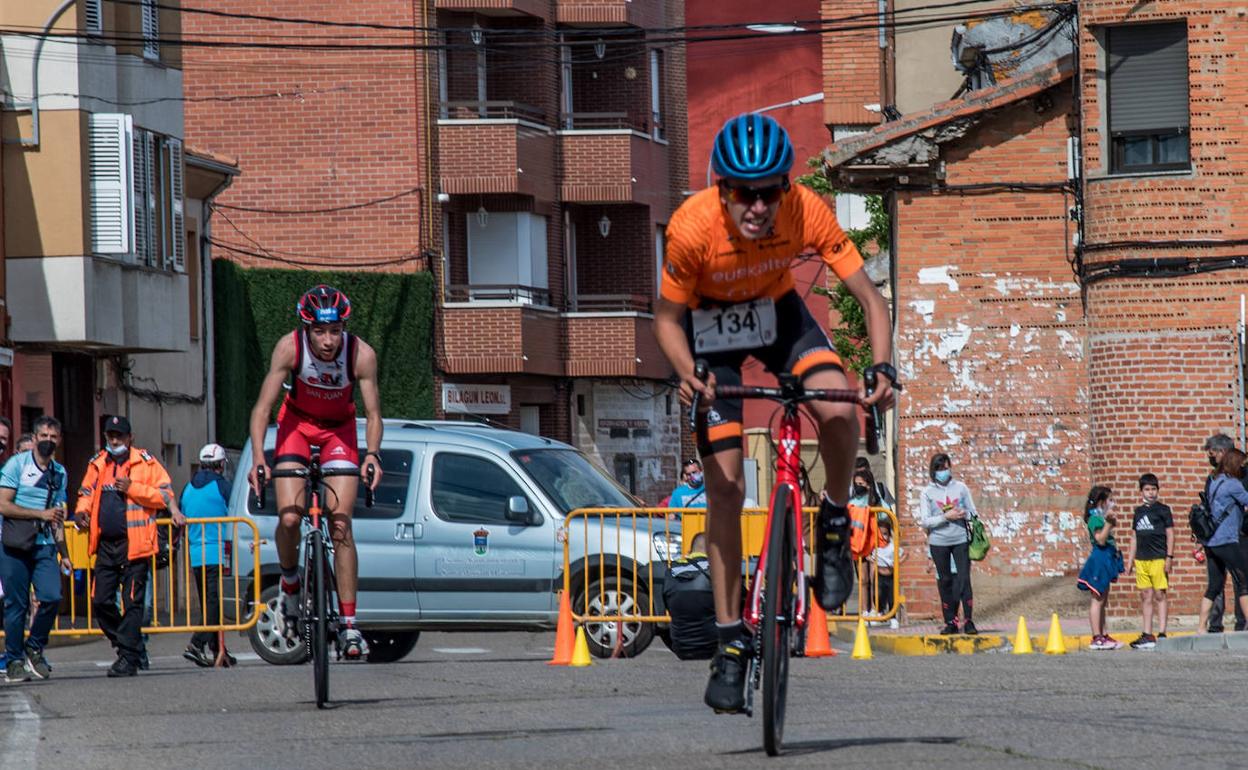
[471, 489]
[388, 501]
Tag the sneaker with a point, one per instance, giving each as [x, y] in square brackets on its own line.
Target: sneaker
[1103, 642]
[37, 664]
[351, 644]
[230, 660]
[1145, 642]
[289, 610]
[122, 667]
[198, 655]
[834, 571]
[16, 671]
[1161, 636]
[1112, 641]
[969, 628]
[725, 691]
[950, 629]
[893, 624]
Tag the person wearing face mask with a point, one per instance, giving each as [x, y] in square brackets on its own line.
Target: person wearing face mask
[120, 496]
[1215, 447]
[944, 509]
[32, 499]
[692, 493]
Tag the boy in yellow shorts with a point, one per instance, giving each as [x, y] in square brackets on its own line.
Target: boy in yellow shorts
[1151, 554]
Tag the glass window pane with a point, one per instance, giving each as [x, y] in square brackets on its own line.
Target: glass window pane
[471, 489]
[1137, 151]
[1172, 148]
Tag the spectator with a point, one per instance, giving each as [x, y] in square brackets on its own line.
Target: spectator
[882, 493]
[884, 561]
[1103, 566]
[6, 432]
[25, 443]
[121, 493]
[207, 496]
[691, 604]
[1151, 554]
[32, 500]
[1215, 447]
[944, 508]
[1227, 499]
[692, 493]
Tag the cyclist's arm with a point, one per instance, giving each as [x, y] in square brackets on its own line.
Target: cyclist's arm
[280, 366]
[366, 378]
[669, 331]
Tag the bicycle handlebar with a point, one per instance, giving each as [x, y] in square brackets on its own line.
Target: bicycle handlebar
[305, 473]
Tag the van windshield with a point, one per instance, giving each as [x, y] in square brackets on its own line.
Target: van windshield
[571, 480]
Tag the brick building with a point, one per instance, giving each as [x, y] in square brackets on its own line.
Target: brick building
[1047, 344]
[529, 152]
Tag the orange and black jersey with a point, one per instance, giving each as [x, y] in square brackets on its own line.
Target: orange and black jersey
[708, 261]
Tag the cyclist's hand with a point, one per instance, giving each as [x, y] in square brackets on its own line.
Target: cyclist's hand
[253, 478]
[690, 385]
[882, 396]
[371, 462]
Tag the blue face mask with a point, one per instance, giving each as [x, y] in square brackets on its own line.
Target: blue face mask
[944, 476]
[695, 479]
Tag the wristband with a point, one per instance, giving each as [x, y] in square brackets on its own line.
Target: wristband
[373, 454]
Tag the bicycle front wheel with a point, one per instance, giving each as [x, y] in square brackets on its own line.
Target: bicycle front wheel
[778, 608]
[318, 624]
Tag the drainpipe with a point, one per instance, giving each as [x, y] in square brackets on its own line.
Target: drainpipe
[33, 104]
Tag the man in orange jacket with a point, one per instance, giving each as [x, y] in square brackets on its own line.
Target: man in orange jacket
[120, 495]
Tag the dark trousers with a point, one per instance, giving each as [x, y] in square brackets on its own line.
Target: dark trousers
[210, 605]
[884, 593]
[113, 572]
[19, 570]
[1219, 604]
[955, 588]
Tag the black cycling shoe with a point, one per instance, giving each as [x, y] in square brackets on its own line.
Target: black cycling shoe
[725, 692]
[834, 572]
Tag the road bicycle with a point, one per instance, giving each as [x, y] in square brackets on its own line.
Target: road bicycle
[775, 605]
[317, 614]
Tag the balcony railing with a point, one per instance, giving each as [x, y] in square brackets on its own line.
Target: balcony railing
[602, 121]
[497, 292]
[613, 303]
[492, 110]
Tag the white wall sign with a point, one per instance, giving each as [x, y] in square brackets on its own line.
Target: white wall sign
[460, 398]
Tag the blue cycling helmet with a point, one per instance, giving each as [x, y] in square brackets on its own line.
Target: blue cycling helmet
[752, 146]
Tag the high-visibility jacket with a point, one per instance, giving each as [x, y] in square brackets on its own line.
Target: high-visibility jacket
[864, 531]
[150, 492]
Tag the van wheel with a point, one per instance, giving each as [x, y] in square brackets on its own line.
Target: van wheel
[266, 635]
[390, 646]
[615, 596]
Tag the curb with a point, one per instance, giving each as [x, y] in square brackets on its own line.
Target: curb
[893, 643]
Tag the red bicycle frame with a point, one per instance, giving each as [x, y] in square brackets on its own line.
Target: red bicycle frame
[788, 481]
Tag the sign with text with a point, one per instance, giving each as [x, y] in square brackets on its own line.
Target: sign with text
[460, 398]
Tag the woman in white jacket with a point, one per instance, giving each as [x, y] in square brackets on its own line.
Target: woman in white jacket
[944, 510]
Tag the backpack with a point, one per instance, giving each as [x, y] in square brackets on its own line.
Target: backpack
[1201, 520]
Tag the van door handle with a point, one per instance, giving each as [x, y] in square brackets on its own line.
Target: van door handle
[403, 531]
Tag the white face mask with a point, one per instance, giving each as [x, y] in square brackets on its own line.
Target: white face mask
[121, 450]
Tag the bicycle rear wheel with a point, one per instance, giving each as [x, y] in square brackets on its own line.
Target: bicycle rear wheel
[778, 607]
[318, 624]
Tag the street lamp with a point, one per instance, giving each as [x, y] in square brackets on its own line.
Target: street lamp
[798, 102]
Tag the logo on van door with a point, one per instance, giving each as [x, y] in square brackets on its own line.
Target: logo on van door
[481, 541]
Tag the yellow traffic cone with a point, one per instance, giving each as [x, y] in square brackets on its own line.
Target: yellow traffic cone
[862, 645]
[580, 653]
[1022, 639]
[1056, 644]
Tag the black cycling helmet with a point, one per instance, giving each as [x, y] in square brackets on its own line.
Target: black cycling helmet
[323, 305]
[752, 146]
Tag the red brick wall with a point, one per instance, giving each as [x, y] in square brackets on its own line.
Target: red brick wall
[851, 65]
[356, 134]
[621, 263]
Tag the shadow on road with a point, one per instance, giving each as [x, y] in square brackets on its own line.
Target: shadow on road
[797, 748]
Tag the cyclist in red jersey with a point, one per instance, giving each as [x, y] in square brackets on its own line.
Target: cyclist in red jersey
[324, 364]
[728, 293]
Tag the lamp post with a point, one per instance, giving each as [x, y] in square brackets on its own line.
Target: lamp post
[798, 102]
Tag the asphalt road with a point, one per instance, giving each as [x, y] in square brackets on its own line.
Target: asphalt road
[489, 700]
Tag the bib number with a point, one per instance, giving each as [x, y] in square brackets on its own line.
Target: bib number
[746, 326]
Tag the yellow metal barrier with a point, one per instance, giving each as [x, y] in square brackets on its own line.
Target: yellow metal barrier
[617, 554]
[175, 605]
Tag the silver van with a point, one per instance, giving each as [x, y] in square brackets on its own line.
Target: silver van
[466, 533]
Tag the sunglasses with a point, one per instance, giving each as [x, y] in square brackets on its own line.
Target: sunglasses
[746, 195]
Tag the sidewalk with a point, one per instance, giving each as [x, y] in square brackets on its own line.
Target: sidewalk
[925, 639]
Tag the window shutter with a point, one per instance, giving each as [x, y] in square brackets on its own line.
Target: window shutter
[110, 165]
[151, 30]
[142, 223]
[1148, 88]
[176, 260]
[93, 16]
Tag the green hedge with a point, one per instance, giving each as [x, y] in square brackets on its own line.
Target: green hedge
[255, 307]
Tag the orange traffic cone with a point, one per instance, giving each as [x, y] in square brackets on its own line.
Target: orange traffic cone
[817, 645]
[565, 634]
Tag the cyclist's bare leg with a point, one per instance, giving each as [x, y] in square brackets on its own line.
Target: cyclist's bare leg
[339, 503]
[838, 434]
[725, 492]
[290, 506]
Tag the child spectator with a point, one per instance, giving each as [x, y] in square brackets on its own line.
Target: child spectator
[884, 561]
[1104, 563]
[1151, 554]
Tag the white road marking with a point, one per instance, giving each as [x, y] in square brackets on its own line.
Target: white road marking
[461, 650]
[22, 741]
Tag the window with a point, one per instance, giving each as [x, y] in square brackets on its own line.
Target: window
[531, 419]
[93, 16]
[151, 30]
[507, 257]
[851, 209]
[660, 249]
[389, 499]
[1148, 97]
[571, 480]
[626, 472]
[656, 94]
[472, 490]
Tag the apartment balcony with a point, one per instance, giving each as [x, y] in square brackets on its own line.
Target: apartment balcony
[497, 329]
[610, 157]
[538, 9]
[612, 335]
[633, 13]
[496, 147]
[97, 302]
